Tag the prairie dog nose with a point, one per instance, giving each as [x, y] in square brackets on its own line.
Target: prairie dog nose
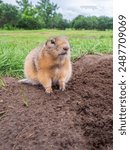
[66, 48]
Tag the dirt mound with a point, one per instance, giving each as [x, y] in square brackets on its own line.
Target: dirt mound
[79, 118]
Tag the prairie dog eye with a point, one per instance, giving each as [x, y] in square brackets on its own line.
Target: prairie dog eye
[52, 42]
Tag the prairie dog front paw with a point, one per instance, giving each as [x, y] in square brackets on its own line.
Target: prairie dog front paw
[62, 85]
[48, 90]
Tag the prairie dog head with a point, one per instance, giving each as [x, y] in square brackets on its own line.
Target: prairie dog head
[58, 47]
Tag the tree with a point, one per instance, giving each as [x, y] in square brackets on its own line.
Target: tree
[110, 23]
[46, 11]
[23, 4]
[105, 23]
[28, 16]
[59, 22]
[79, 22]
[92, 22]
[8, 15]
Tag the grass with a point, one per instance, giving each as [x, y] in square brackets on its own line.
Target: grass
[2, 83]
[15, 45]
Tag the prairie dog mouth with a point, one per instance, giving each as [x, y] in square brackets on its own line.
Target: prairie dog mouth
[64, 53]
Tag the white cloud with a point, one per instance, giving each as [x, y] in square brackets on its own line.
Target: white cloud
[9, 1]
[72, 8]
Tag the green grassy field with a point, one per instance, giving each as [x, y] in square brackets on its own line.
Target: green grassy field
[15, 45]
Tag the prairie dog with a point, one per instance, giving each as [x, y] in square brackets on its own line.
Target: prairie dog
[49, 63]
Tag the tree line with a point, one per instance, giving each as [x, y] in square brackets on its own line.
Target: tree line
[44, 15]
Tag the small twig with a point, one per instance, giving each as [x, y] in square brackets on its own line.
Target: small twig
[2, 83]
[2, 114]
[24, 99]
[25, 102]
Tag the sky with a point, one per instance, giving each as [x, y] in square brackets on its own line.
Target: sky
[72, 8]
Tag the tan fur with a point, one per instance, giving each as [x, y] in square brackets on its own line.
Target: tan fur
[49, 63]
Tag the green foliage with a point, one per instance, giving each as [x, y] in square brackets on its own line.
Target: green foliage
[105, 23]
[46, 11]
[89, 23]
[58, 22]
[8, 15]
[28, 22]
[15, 46]
[79, 22]
[23, 4]
[28, 16]
[45, 15]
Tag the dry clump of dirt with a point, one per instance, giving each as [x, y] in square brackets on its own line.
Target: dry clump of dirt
[79, 118]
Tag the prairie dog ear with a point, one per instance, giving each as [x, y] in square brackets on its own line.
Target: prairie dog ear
[51, 41]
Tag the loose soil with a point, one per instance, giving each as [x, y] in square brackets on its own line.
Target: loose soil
[79, 118]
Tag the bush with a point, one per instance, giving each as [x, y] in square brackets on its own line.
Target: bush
[9, 15]
[28, 22]
[58, 22]
[105, 23]
[93, 22]
[8, 27]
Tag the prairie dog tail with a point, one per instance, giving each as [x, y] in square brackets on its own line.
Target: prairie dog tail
[27, 81]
